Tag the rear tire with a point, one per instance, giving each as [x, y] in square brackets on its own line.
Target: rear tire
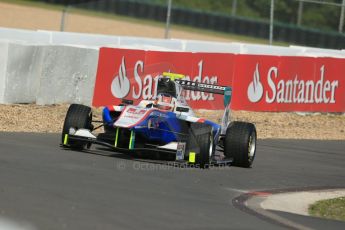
[77, 117]
[240, 143]
[202, 134]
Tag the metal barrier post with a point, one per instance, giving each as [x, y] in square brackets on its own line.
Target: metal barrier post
[167, 27]
[300, 13]
[341, 20]
[63, 19]
[234, 7]
[271, 22]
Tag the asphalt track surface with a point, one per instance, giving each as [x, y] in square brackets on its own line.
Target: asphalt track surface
[52, 188]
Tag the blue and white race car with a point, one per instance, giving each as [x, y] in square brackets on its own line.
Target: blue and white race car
[165, 127]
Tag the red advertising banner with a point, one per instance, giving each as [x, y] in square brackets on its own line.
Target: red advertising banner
[133, 74]
[273, 83]
[259, 82]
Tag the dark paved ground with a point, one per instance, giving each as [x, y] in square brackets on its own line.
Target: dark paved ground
[53, 188]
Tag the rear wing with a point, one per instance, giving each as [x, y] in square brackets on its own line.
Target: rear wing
[202, 87]
[196, 86]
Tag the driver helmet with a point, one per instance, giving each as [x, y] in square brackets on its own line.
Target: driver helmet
[165, 102]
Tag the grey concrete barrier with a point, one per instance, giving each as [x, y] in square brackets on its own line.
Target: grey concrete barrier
[22, 73]
[318, 52]
[156, 44]
[80, 39]
[46, 74]
[67, 75]
[19, 72]
[30, 36]
[258, 49]
[3, 67]
[211, 47]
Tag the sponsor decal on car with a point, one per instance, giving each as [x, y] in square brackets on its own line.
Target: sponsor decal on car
[132, 116]
[181, 148]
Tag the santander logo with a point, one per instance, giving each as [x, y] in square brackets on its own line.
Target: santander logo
[137, 84]
[294, 89]
[255, 88]
[120, 85]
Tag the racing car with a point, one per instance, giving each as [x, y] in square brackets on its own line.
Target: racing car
[165, 126]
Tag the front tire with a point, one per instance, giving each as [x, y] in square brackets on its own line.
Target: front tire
[240, 143]
[77, 117]
[204, 140]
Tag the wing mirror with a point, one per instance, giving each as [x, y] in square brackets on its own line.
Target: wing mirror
[127, 102]
[182, 109]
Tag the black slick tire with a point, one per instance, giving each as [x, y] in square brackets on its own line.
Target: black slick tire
[202, 135]
[240, 143]
[77, 117]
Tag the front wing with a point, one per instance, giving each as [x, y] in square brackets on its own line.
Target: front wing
[189, 155]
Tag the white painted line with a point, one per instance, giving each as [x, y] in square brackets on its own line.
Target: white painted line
[6, 224]
[236, 190]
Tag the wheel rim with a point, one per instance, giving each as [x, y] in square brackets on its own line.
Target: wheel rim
[252, 147]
